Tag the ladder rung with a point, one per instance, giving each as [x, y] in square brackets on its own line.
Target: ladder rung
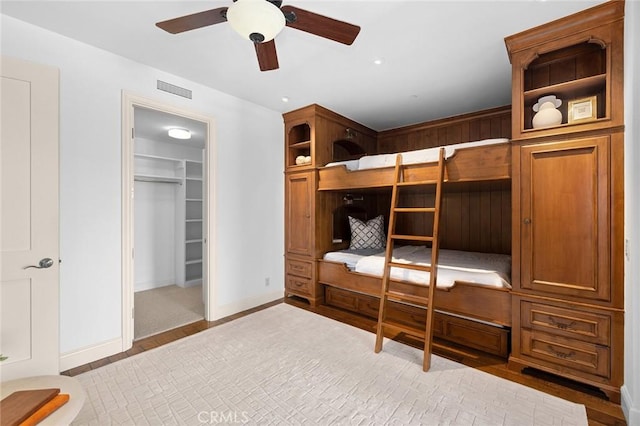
[425, 268]
[418, 183]
[411, 237]
[403, 328]
[404, 297]
[415, 209]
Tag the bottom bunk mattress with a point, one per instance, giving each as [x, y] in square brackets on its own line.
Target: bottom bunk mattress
[486, 269]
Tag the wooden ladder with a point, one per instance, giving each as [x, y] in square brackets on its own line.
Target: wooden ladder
[386, 294]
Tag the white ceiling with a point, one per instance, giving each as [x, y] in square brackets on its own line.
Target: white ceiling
[440, 58]
[154, 125]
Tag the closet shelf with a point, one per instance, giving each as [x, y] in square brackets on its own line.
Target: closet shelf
[158, 157]
[193, 262]
[159, 179]
[198, 200]
[194, 241]
[193, 220]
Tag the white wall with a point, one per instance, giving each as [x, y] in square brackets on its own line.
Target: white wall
[249, 153]
[155, 235]
[631, 388]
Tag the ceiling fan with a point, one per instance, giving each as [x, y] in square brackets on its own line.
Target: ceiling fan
[260, 21]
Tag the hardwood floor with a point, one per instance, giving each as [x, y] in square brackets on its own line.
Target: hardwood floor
[599, 410]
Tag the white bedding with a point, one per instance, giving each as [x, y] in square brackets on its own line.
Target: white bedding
[351, 257]
[410, 157]
[486, 269]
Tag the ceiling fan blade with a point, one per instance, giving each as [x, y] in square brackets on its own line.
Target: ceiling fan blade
[322, 26]
[267, 56]
[195, 20]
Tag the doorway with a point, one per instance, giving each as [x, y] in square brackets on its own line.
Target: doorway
[166, 218]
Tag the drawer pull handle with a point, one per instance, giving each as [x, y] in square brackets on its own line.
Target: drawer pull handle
[562, 325]
[561, 355]
[297, 267]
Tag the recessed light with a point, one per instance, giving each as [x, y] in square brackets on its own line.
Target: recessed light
[285, 99]
[178, 133]
[377, 61]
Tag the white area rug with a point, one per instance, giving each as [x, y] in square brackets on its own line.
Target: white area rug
[284, 365]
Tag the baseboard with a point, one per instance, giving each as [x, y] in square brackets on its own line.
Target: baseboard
[191, 283]
[89, 354]
[242, 305]
[631, 413]
[152, 285]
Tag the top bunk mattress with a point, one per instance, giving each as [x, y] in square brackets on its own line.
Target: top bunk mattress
[485, 160]
[427, 155]
[485, 269]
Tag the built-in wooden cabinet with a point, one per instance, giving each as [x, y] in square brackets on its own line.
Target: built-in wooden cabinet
[576, 58]
[567, 271]
[314, 136]
[564, 219]
[300, 188]
[300, 191]
[323, 136]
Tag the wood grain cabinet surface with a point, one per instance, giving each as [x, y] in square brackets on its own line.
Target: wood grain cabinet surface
[564, 219]
[568, 201]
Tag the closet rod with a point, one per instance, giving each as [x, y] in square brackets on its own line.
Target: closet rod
[143, 179]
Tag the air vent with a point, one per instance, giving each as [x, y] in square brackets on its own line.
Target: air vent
[173, 89]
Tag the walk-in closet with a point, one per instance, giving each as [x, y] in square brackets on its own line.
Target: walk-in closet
[169, 197]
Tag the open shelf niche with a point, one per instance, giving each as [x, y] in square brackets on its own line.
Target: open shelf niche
[575, 72]
[299, 145]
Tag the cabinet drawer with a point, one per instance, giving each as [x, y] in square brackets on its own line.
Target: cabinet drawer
[341, 299]
[352, 301]
[299, 268]
[586, 326]
[369, 306]
[299, 285]
[566, 353]
[494, 340]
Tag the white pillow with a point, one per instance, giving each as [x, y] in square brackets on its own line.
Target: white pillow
[368, 235]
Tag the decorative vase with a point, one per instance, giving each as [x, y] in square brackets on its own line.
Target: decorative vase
[547, 113]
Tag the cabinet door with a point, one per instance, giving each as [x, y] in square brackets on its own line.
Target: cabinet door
[565, 218]
[300, 191]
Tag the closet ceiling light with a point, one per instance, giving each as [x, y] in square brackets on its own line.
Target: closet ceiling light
[177, 133]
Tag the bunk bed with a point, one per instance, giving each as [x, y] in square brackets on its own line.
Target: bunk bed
[349, 276]
[356, 181]
[485, 160]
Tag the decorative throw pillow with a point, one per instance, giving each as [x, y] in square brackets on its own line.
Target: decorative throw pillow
[368, 235]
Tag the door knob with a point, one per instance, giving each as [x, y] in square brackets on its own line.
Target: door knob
[43, 264]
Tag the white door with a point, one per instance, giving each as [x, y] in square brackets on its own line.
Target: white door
[29, 296]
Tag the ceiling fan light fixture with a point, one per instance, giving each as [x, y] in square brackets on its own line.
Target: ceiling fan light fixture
[178, 133]
[256, 20]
